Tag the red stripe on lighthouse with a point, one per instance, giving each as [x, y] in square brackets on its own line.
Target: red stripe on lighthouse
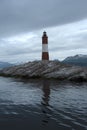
[45, 54]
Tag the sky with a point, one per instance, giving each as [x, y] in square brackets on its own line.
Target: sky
[22, 23]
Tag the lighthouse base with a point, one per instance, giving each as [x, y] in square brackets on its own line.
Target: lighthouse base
[45, 56]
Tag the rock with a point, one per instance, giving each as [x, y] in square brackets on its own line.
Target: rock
[46, 69]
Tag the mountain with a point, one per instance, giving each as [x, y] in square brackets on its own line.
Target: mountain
[80, 60]
[46, 69]
[5, 64]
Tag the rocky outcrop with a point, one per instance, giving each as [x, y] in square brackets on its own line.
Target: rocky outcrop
[47, 69]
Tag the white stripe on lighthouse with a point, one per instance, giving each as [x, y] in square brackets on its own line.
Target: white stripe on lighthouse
[44, 47]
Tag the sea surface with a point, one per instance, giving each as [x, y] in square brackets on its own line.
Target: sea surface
[40, 104]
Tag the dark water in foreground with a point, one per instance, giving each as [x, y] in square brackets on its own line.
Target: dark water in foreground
[42, 105]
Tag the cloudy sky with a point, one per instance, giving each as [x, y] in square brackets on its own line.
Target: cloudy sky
[22, 23]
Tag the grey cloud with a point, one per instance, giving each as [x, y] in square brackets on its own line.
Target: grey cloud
[22, 51]
[68, 48]
[17, 16]
[14, 50]
[18, 48]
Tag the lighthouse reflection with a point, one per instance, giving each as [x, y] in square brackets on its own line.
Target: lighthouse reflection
[45, 102]
[46, 92]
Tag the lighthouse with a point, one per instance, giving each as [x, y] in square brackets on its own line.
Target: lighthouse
[45, 54]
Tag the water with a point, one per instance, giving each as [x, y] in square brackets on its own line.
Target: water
[42, 105]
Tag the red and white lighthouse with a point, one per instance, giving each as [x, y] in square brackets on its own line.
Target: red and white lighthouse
[45, 53]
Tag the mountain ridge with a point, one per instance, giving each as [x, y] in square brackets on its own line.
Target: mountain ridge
[5, 64]
[80, 60]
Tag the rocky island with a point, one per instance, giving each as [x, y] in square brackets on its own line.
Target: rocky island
[47, 69]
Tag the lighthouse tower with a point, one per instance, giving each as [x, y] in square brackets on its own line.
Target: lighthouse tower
[45, 54]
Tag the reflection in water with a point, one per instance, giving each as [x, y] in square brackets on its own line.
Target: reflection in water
[46, 92]
[45, 102]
